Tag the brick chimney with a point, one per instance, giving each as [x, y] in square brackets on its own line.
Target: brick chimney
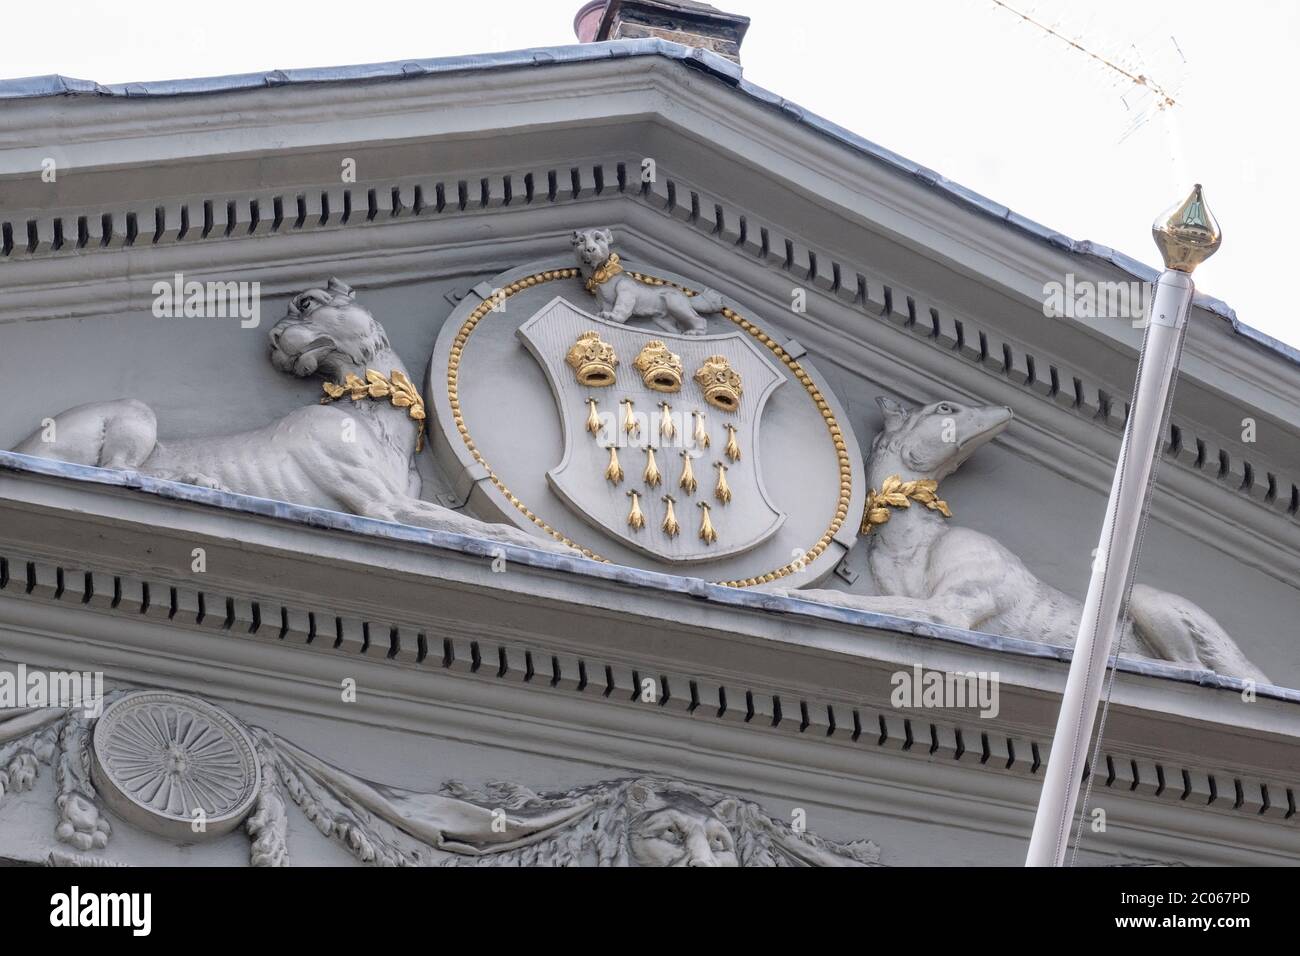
[681, 21]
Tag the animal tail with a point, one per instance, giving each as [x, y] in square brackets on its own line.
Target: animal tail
[707, 302]
[116, 434]
[1179, 631]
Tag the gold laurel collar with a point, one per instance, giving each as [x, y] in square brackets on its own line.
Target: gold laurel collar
[397, 388]
[896, 493]
[604, 273]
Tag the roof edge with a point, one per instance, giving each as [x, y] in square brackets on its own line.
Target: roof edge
[711, 63]
[717, 594]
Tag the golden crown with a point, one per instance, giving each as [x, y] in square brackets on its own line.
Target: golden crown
[720, 382]
[660, 368]
[592, 360]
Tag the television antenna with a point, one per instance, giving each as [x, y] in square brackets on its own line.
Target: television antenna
[1122, 66]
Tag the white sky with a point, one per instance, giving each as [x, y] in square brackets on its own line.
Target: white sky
[960, 86]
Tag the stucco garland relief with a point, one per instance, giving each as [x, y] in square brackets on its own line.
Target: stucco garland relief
[206, 773]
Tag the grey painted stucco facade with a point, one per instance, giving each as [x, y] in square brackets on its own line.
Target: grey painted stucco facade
[534, 673]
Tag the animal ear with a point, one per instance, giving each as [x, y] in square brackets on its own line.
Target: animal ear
[575, 237]
[608, 234]
[337, 288]
[896, 414]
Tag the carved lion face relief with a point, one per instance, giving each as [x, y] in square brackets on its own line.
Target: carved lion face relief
[677, 829]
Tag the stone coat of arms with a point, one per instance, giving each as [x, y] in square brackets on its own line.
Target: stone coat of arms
[661, 432]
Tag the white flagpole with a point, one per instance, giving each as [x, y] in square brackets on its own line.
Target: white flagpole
[1186, 237]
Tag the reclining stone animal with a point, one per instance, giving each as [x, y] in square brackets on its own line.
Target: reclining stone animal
[926, 568]
[353, 456]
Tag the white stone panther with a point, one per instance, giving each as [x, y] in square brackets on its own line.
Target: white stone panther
[355, 457]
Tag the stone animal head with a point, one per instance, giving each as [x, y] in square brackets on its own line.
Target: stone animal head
[592, 246]
[325, 331]
[675, 828]
[933, 441]
[650, 821]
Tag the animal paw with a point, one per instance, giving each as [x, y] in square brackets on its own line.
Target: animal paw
[202, 481]
[19, 774]
[612, 317]
[81, 824]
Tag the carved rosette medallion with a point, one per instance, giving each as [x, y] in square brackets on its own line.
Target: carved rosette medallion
[159, 758]
[156, 757]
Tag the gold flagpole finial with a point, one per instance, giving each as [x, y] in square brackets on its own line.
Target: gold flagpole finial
[1187, 234]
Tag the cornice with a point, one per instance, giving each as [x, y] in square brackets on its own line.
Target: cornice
[269, 682]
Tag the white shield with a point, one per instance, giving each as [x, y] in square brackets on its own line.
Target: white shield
[581, 478]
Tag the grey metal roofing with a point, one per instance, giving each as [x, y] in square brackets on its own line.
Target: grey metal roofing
[711, 63]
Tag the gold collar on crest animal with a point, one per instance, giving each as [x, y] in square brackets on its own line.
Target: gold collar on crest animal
[896, 493]
[397, 388]
[604, 273]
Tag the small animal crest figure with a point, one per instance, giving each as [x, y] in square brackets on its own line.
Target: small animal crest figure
[621, 297]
